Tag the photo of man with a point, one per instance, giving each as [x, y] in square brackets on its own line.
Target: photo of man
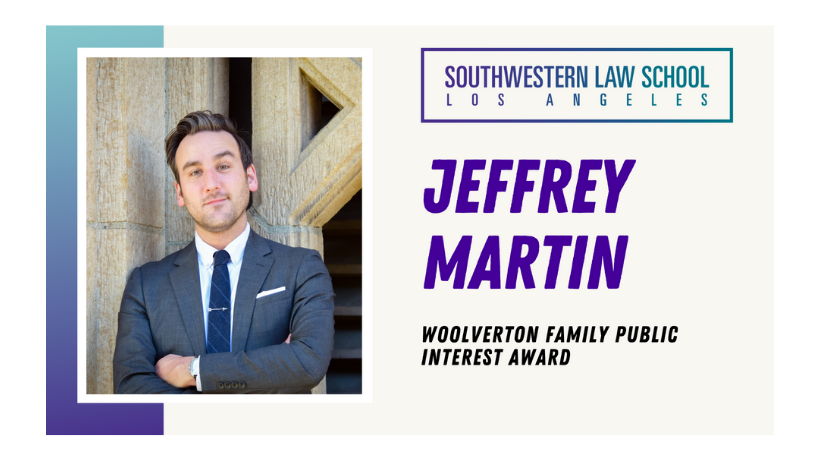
[212, 269]
[253, 337]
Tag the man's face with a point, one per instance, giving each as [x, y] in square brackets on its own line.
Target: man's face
[213, 185]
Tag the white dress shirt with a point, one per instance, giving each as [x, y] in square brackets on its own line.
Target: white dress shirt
[205, 255]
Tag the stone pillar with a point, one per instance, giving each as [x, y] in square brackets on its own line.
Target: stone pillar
[193, 84]
[125, 214]
[305, 174]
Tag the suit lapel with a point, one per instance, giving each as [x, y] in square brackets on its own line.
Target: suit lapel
[256, 264]
[185, 281]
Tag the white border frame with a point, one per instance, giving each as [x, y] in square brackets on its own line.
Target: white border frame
[367, 221]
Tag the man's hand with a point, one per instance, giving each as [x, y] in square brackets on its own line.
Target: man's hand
[176, 370]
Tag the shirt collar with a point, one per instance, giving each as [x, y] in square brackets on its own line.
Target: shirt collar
[236, 248]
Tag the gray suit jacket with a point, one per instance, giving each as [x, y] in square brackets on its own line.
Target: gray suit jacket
[161, 313]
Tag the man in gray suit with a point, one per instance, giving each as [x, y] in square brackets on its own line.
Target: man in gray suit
[232, 312]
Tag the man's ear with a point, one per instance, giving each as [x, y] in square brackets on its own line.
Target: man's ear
[180, 199]
[253, 184]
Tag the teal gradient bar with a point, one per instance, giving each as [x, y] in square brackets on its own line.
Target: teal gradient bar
[63, 414]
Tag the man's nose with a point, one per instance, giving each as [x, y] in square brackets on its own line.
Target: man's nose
[211, 181]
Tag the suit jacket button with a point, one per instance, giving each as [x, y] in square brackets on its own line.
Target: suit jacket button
[234, 385]
[220, 385]
[241, 384]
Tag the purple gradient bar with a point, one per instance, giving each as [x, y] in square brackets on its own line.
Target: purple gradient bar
[64, 416]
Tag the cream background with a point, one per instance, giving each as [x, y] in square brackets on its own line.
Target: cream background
[699, 257]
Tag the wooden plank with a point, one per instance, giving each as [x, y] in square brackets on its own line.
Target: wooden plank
[347, 295]
[347, 311]
[344, 269]
[350, 224]
[344, 383]
[343, 250]
[353, 353]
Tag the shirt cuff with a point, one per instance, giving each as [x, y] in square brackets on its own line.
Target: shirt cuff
[195, 367]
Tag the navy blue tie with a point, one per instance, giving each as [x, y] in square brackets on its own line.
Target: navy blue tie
[219, 306]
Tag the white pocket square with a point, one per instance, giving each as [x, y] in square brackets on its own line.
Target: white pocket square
[272, 291]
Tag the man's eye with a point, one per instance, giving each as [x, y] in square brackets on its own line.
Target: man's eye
[222, 167]
[196, 172]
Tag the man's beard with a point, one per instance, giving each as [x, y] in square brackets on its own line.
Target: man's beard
[220, 222]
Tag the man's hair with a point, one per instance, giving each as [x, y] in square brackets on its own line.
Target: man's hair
[204, 120]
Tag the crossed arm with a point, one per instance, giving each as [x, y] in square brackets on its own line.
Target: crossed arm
[296, 365]
[176, 370]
